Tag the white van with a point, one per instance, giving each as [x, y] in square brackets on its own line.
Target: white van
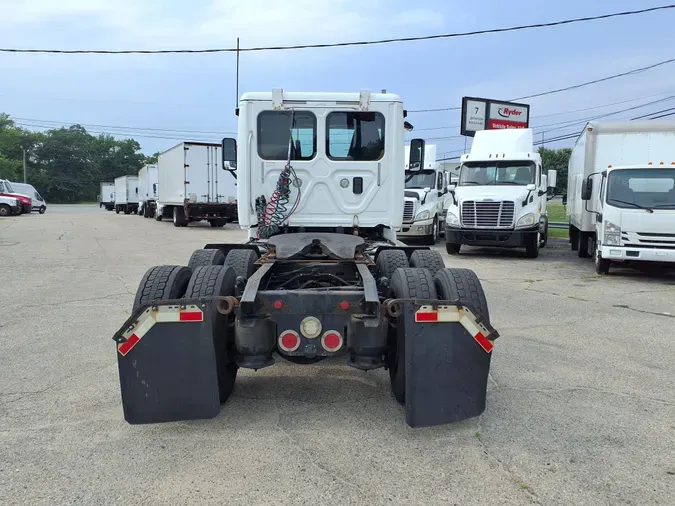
[39, 203]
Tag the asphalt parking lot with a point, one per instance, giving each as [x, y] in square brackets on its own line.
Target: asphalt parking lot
[581, 407]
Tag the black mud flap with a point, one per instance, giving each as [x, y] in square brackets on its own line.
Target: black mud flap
[167, 363]
[447, 367]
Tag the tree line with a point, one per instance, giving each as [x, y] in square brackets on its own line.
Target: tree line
[67, 164]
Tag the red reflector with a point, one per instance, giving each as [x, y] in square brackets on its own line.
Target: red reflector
[289, 340]
[483, 342]
[191, 316]
[332, 341]
[126, 346]
[344, 305]
[426, 317]
[278, 304]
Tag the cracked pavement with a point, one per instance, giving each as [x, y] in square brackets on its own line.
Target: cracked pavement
[581, 402]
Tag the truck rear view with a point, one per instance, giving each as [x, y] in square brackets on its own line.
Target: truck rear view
[148, 191]
[322, 275]
[621, 193]
[126, 194]
[194, 186]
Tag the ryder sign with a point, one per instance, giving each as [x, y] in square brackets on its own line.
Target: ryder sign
[485, 114]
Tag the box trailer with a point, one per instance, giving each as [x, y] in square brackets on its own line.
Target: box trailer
[621, 193]
[148, 191]
[126, 194]
[106, 196]
[194, 187]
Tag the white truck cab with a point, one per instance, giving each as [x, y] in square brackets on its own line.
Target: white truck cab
[500, 199]
[319, 162]
[426, 188]
[621, 193]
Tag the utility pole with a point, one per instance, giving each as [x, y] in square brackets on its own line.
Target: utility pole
[24, 165]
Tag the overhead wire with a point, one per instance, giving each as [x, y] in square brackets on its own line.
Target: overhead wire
[345, 44]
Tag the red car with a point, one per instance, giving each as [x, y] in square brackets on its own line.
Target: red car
[6, 190]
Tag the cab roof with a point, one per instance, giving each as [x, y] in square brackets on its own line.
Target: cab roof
[318, 96]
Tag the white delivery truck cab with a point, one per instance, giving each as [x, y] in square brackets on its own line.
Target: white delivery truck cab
[38, 202]
[193, 186]
[126, 194]
[621, 192]
[347, 154]
[500, 198]
[426, 188]
[106, 197]
[148, 179]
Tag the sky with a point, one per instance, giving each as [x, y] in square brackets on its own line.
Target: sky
[161, 100]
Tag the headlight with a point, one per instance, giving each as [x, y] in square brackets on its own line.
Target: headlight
[526, 221]
[451, 220]
[612, 234]
[424, 215]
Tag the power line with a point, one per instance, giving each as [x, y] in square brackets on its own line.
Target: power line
[342, 44]
[567, 88]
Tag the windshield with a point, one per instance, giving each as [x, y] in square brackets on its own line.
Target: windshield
[497, 173]
[420, 180]
[642, 188]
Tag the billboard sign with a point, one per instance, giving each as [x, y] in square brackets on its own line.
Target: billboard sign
[485, 114]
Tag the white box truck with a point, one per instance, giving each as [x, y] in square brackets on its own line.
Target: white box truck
[621, 193]
[147, 188]
[106, 196]
[194, 187]
[126, 194]
[500, 200]
[425, 191]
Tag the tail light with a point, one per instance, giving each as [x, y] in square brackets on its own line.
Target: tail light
[332, 341]
[289, 340]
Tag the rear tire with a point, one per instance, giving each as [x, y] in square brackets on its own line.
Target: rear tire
[162, 282]
[218, 223]
[210, 281]
[427, 259]
[574, 238]
[405, 283]
[584, 244]
[389, 260]
[204, 257]
[462, 285]
[242, 261]
[179, 219]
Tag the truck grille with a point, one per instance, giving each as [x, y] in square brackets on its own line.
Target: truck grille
[647, 240]
[487, 214]
[408, 211]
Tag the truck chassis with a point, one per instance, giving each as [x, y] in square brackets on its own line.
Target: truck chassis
[306, 297]
[217, 214]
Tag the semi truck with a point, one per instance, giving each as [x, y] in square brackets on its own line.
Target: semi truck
[193, 186]
[126, 194]
[426, 188]
[321, 276]
[106, 197]
[148, 179]
[7, 190]
[501, 196]
[621, 193]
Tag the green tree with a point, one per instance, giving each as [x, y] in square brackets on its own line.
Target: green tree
[558, 160]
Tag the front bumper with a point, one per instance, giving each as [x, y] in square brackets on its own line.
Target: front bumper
[26, 208]
[15, 210]
[416, 229]
[496, 238]
[623, 254]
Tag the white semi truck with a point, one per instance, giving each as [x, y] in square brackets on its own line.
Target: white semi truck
[426, 188]
[194, 186]
[621, 193]
[500, 199]
[126, 194]
[322, 276]
[106, 197]
[147, 188]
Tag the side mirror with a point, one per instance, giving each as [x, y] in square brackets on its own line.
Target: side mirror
[587, 189]
[552, 178]
[427, 190]
[531, 187]
[451, 187]
[229, 153]
[416, 158]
